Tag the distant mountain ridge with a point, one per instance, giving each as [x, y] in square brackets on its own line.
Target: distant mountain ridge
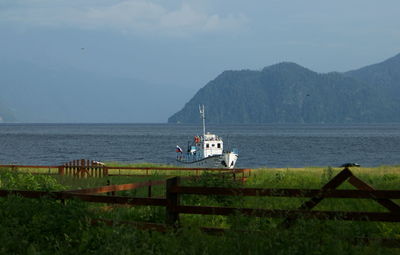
[385, 74]
[289, 93]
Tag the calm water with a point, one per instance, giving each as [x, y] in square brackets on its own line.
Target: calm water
[259, 145]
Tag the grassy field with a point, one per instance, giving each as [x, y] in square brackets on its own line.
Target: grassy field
[42, 226]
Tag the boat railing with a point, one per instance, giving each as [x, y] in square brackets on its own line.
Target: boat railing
[189, 157]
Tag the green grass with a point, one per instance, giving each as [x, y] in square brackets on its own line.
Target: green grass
[42, 226]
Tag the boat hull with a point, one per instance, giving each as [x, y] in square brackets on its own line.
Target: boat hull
[226, 160]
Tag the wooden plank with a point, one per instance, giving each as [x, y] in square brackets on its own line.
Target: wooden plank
[323, 215]
[74, 168]
[172, 216]
[87, 198]
[331, 185]
[393, 194]
[116, 199]
[120, 187]
[384, 201]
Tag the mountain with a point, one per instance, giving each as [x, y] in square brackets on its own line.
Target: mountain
[385, 75]
[59, 94]
[290, 93]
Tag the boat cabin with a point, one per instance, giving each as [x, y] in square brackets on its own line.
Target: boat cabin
[212, 145]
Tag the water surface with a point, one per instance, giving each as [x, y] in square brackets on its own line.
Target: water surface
[259, 145]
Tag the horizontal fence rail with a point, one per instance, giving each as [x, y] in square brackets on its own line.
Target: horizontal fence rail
[237, 170]
[120, 187]
[345, 193]
[323, 215]
[88, 168]
[86, 197]
[329, 190]
[174, 192]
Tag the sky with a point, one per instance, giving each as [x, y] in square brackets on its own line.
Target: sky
[185, 44]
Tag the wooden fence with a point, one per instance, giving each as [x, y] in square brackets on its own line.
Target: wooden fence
[365, 191]
[84, 168]
[174, 191]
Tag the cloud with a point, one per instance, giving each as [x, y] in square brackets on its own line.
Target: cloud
[129, 16]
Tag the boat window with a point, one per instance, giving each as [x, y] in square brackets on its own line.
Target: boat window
[213, 145]
[207, 145]
[219, 145]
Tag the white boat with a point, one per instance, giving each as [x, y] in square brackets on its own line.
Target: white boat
[206, 151]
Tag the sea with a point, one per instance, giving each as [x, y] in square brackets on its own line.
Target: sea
[274, 145]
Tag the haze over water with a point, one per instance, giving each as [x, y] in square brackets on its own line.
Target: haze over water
[259, 145]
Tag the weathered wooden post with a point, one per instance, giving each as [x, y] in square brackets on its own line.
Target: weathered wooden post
[172, 216]
[61, 170]
[149, 189]
[105, 171]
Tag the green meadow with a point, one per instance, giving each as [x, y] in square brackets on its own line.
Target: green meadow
[44, 226]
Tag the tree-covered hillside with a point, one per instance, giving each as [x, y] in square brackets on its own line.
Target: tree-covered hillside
[289, 93]
[385, 75]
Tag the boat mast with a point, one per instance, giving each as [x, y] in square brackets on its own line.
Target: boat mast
[203, 116]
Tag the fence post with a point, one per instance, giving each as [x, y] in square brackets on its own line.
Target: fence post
[105, 171]
[61, 170]
[172, 216]
[149, 189]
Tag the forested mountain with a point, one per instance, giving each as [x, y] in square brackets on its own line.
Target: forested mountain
[385, 75]
[289, 93]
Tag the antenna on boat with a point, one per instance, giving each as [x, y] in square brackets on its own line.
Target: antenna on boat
[203, 117]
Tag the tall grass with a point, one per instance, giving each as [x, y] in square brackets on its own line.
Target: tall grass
[42, 226]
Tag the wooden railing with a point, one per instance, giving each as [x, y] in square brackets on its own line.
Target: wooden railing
[174, 191]
[383, 197]
[174, 208]
[83, 168]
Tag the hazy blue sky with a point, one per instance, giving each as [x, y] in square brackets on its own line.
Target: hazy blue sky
[188, 43]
